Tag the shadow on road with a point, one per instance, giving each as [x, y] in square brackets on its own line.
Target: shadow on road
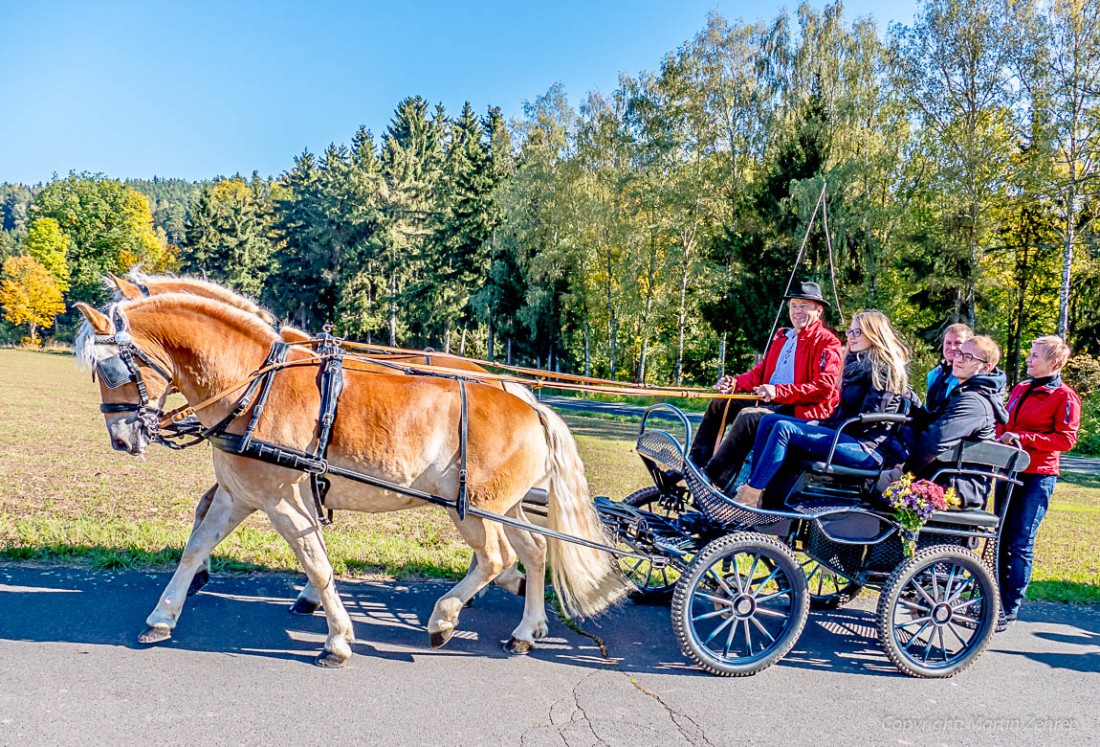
[247, 616]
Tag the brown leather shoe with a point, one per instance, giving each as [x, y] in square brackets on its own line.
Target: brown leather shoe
[750, 497]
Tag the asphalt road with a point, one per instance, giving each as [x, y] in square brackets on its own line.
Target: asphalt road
[239, 672]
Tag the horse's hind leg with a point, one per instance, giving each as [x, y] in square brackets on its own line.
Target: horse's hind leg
[531, 548]
[511, 579]
[222, 517]
[493, 554]
[294, 521]
[202, 575]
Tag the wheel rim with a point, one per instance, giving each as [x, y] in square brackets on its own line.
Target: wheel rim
[939, 615]
[742, 606]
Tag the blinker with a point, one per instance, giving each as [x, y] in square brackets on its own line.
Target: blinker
[114, 372]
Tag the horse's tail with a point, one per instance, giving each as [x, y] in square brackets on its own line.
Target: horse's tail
[587, 581]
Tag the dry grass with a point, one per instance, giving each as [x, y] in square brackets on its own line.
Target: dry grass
[66, 496]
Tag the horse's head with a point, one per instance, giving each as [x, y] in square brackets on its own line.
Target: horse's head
[132, 386]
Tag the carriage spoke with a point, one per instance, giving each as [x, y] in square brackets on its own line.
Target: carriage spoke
[765, 582]
[947, 595]
[748, 636]
[714, 633]
[967, 619]
[955, 632]
[769, 597]
[924, 620]
[769, 613]
[729, 641]
[762, 629]
[752, 569]
[923, 593]
[722, 582]
[963, 587]
[928, 648]
[717, 600]
[708, 615]
[935, 584]
[943, 647]
[912, 605]
[915, 635]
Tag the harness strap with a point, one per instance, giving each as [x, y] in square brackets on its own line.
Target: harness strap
[330, 382]
[277, 355]
[463, 500]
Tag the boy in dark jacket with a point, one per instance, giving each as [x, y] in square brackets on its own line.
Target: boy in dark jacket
[972, 412]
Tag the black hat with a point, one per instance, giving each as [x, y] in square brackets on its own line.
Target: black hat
[808, 291]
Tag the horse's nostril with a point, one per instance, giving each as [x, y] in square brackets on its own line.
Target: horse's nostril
[120, 444]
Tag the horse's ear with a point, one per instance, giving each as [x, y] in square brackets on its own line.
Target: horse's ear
[100, 323]
[125, 288]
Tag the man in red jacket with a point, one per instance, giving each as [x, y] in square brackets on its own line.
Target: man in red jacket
[1043, 417]
[799, 376]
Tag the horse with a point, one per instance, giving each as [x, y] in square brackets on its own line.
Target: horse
[396, 428]
[138, 285]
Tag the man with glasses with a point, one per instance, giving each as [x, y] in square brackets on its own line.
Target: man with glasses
[973, 410]
[941, 380]
[799, 375]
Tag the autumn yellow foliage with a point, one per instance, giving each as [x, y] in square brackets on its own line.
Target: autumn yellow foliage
[29, 294]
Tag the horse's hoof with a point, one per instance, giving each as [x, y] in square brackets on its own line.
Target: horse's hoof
[154, 634]
[303, 607]
[330, 660]
[439, 638]
[518, 647]
[199, 580]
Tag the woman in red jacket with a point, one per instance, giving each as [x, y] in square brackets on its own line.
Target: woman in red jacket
[1044, 415]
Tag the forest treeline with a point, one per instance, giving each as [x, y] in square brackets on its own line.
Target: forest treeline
[647, 233]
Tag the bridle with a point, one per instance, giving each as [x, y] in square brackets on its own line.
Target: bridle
[121, 369]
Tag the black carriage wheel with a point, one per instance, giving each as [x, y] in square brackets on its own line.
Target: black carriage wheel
[741, 605]
[828, 589]
[652, 585]
[937, 612]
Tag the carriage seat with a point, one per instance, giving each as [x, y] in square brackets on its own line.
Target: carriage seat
[974, 517]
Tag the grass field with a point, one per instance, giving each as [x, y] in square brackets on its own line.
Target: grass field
[67, 497]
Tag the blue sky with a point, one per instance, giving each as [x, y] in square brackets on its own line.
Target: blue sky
[199, 89]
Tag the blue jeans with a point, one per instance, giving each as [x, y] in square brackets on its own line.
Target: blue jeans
[1016, 553]
[780, 435]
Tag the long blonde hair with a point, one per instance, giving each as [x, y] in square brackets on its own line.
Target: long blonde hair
[888, 355]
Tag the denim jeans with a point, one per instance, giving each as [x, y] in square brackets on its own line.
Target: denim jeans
[779, 435]
[1016, 554]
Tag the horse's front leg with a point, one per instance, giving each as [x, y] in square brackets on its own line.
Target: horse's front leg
[202, 575]
[492, 554]
[295, 522]
[223, 516]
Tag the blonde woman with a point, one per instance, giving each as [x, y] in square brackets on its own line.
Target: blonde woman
[875, 379]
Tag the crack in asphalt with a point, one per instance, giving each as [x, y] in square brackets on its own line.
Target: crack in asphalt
[674, 715]
[584, 713]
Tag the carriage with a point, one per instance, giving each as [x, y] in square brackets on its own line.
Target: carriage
[742, 580]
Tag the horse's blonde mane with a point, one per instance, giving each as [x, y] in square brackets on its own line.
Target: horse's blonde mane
[206, 288]
[233, 316]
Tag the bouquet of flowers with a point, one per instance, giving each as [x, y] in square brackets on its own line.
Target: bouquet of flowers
[914, 502]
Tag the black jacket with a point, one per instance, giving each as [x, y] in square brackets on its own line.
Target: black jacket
[859, 395]
[971, 413]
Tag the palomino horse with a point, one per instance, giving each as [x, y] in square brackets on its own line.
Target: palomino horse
[138, 285]
[400, 429]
